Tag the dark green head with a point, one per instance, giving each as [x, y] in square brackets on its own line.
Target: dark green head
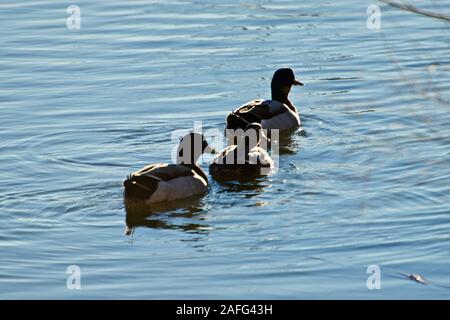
[282, 81]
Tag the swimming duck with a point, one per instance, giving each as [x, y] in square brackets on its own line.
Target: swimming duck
[247, 159]
[278, 113]
[162, 182]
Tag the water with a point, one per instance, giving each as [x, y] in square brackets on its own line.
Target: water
[367, 183]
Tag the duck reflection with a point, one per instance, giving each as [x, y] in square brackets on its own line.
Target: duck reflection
[288, 142]
[246, 187]
[184, 215]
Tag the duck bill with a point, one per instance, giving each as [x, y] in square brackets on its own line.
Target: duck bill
[298, 83]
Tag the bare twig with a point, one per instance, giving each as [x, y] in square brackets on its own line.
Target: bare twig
[411, 8]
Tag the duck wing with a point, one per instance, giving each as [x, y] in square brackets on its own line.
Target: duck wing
[254, 111]
[144, 182]
[231, 156]
[260, 157]
[164, 172]
[263, 109]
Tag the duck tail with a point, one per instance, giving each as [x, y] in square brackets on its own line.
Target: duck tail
[138, 188]
[235, 121]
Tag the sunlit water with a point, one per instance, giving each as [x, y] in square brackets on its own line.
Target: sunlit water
[366, 183]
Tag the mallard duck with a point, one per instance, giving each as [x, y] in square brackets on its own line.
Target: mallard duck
[162, 182]
[246, 159]
[278, 113]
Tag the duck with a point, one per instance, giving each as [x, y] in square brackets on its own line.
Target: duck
[162, 182]
[277, 113]
[246, 159]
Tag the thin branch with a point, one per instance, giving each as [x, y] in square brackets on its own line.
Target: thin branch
[411, 8]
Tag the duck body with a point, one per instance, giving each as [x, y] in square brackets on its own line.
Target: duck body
[222, 168]
[242, 161]
[277, 113]
[271, 114]
[163, 182]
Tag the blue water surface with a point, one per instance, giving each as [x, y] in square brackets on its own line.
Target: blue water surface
[366, 182]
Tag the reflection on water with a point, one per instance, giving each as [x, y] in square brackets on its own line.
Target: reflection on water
[367, 183]
[184, 215]
[187, 214]
[288, 141]
[248, 187]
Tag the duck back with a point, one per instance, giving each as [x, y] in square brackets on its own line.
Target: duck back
[270, 114]
[165, 182]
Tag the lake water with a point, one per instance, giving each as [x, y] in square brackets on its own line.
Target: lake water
[366, 183]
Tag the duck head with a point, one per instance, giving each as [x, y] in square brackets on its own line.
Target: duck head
[282, 82]
[191, 147]
[253, 135]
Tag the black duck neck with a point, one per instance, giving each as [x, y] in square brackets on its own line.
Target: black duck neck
[278, 94]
